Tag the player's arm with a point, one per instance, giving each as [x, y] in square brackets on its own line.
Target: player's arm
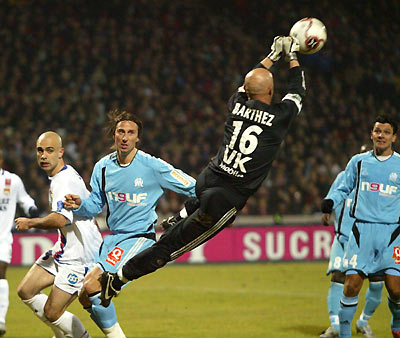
[340, 193]
[327, 207]
[173, 179]
[49, 222]
[25, 201]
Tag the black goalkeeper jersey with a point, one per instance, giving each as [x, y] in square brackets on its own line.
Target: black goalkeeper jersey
[253, 134]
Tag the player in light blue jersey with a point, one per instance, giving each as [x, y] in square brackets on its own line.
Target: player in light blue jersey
[374, 242]
[129, 183]
[343, 223]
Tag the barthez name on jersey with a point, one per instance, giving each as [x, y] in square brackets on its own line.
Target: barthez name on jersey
[255, 115]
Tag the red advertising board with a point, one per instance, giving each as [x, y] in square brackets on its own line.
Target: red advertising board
[237, 244]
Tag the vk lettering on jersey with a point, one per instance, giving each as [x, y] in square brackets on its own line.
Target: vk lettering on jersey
[255, 115]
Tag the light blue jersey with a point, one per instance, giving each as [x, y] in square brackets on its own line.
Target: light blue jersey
[373, 243]
[376, 186]
[343, 221]
[131, 192]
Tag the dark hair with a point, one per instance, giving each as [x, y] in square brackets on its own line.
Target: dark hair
[387, 119]
[115, 116]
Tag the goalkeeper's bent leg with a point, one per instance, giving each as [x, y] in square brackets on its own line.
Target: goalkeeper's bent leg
[184, 236]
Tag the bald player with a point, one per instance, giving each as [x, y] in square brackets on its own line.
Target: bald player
[254, 130]
[65, 265]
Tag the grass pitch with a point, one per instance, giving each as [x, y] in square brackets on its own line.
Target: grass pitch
[269, 300]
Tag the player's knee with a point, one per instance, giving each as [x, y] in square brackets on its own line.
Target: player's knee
[394, 293]
[338, 277]
[52, 314]
[23, 292]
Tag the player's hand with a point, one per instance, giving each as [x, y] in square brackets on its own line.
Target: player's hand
[290, 48]
[276, 49]
[23, 224]
[72, 201]
[326, 219]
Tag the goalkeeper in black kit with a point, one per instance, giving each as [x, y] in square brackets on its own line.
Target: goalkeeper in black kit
[254, 130]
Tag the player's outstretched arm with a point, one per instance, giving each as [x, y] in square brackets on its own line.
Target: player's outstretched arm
[72, 201]
[49, 222]
[275, 53]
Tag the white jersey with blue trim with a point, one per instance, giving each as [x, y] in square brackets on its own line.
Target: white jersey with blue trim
[343, 221]
[12, 191]
[131, 192]
[80, 239]
[376, 185]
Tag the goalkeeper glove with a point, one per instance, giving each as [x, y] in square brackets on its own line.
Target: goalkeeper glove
[276, 49]
[290, 47]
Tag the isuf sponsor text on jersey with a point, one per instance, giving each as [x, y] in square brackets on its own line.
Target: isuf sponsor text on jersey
[255, 115]
[384, 190]
[129, 198]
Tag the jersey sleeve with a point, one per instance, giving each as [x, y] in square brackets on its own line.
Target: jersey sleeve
[93, 205]
[297, 89]
[347, 185]
[174, 179]
[58, 191]
[24, 200]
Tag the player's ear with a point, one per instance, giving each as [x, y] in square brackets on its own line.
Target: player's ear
[61, 153]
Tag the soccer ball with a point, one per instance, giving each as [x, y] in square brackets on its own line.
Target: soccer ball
[311, 34]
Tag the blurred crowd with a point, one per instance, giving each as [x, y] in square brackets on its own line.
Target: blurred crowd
[65, 64]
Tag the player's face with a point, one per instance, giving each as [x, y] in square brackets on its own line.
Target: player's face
[382, 136]
[49, 156]
[126, 136]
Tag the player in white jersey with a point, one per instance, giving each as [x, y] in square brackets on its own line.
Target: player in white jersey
[12, 192]
[65, 265]
[374, 242]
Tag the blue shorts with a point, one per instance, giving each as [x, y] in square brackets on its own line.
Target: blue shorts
[371, 249]
[117, 249]
[336, 256]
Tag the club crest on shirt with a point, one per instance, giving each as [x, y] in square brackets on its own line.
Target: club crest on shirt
[72, 278]
[393, 177]
[139, 182]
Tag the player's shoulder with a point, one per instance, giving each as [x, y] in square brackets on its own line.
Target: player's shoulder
[363, 156]
[106, 159]
[150, 160]
[66, 174]
[396, 156]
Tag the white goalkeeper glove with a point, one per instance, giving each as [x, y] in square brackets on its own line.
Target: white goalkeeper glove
[290, 47]
[276, 49]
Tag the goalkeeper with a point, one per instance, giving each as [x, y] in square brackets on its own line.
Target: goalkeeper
[254, 130]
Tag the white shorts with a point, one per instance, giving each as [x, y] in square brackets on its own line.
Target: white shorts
[5, 250]
[68, 278]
